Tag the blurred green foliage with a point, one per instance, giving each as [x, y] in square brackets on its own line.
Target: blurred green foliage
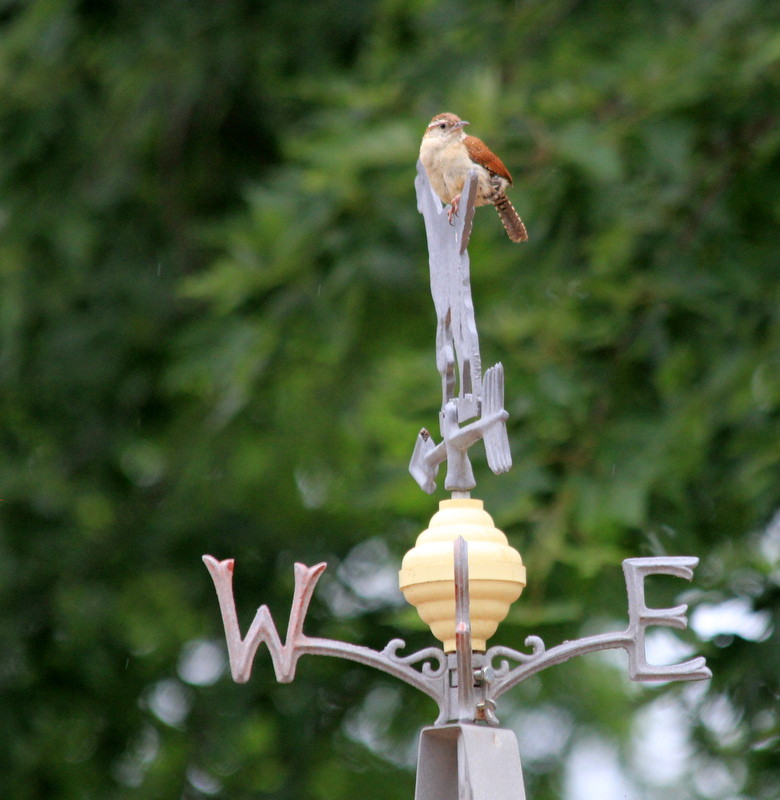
[216, 335]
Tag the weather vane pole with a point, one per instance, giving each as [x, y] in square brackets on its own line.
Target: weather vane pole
[462, 575]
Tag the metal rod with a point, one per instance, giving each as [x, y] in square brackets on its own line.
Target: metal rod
[465, 672]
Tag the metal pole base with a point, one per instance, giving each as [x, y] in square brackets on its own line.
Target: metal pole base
[468, 762]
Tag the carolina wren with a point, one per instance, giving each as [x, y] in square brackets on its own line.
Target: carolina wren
[448, 155]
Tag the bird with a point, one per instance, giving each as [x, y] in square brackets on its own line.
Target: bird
[448, 155]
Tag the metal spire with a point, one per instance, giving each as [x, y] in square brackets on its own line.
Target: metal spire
[465, 754]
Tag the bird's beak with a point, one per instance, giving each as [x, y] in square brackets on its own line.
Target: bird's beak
[461, 123]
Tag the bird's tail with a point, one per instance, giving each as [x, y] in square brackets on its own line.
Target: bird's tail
[515, 229]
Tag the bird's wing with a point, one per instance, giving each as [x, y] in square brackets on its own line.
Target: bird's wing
[484, 156]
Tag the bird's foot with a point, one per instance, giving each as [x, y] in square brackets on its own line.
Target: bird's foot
[453, 209]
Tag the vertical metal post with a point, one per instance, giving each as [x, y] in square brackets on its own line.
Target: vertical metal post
[468, 762]
[465, 673]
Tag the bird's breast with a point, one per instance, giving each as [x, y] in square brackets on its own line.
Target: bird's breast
[448, 165]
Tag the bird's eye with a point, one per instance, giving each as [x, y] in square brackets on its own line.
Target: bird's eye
[442, 125]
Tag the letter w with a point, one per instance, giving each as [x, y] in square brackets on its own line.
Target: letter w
[242, 651]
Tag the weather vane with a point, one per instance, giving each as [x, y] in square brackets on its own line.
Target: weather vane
[462, 575]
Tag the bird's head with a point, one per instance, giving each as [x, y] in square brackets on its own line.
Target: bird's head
[445, 127]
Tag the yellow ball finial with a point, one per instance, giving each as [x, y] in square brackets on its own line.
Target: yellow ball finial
[496, 572]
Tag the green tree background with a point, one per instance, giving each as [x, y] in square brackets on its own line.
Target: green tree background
[216, 336]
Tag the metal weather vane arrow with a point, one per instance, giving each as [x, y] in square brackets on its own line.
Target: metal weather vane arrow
[464, 393]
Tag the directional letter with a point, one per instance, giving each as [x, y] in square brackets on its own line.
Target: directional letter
[640, 617]
[242, 651]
